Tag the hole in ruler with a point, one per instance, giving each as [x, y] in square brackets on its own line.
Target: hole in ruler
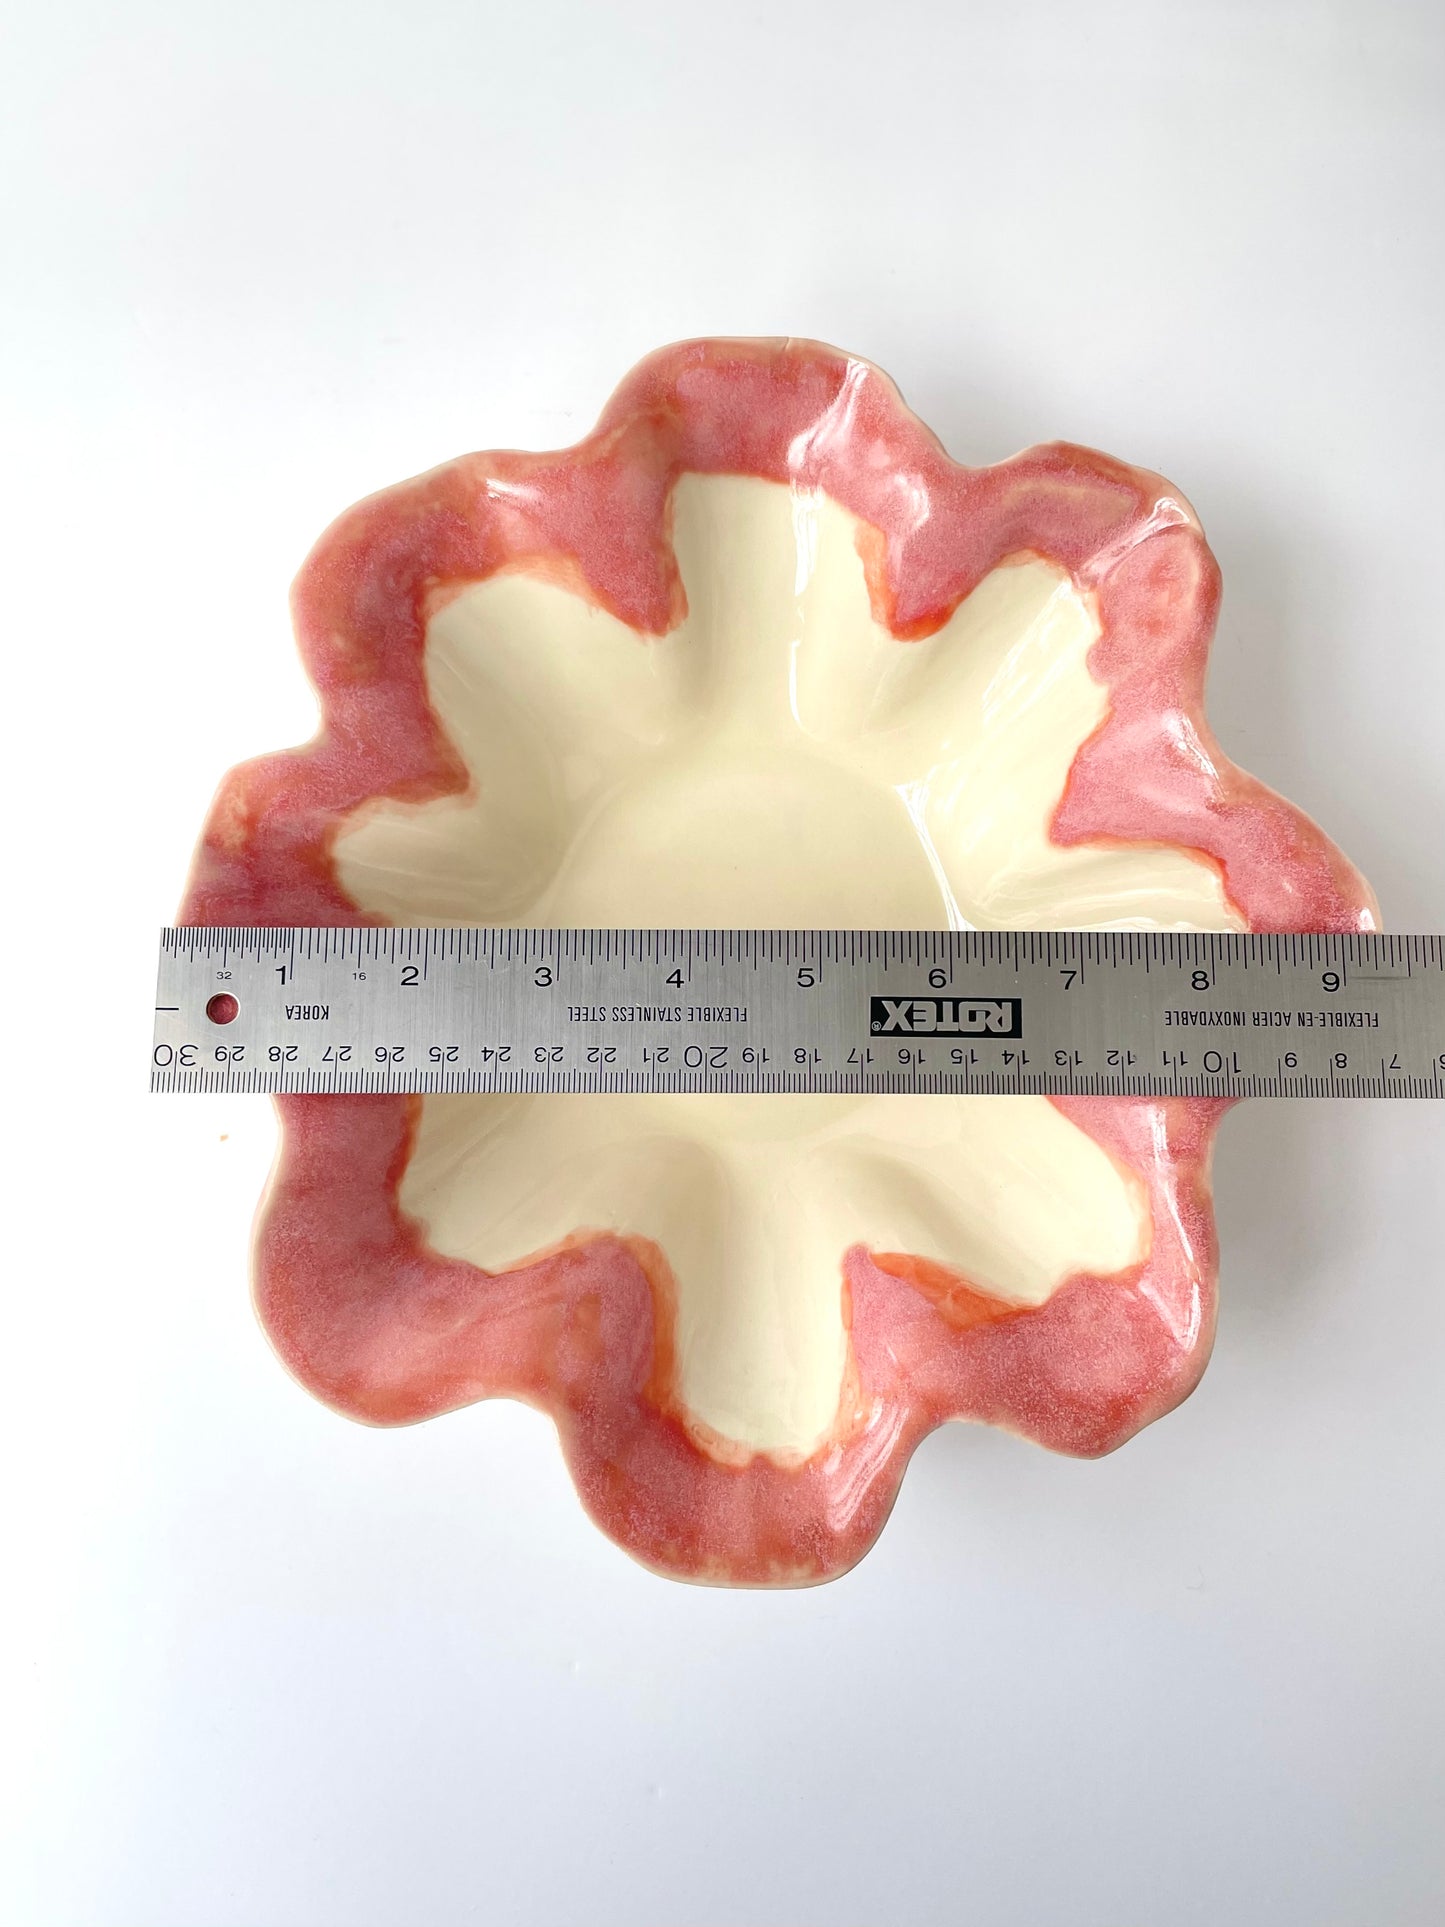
[223, 1008]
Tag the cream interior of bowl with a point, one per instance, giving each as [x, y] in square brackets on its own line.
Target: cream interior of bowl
[779, 759]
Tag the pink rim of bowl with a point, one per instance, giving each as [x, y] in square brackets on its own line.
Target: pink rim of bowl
[388, 1330]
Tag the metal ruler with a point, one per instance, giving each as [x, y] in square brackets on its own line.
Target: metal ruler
[1089, 1013]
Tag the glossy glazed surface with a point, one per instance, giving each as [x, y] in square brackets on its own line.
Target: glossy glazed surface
[616, 777]
[756, 652]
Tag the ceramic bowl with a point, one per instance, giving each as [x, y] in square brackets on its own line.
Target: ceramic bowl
[756, 652]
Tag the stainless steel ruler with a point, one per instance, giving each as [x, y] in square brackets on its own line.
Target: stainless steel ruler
[1090, 1013]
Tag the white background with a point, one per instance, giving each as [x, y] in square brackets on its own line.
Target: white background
[263, 1668]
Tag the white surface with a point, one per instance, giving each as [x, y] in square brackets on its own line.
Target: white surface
[266, 1669]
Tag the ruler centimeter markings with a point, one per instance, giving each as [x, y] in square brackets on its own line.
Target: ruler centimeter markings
[1085, 1013]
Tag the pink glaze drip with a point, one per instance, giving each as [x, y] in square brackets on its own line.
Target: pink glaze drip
[386, 1330]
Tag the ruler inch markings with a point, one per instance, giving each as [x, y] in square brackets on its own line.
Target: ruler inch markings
[383, 1009]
